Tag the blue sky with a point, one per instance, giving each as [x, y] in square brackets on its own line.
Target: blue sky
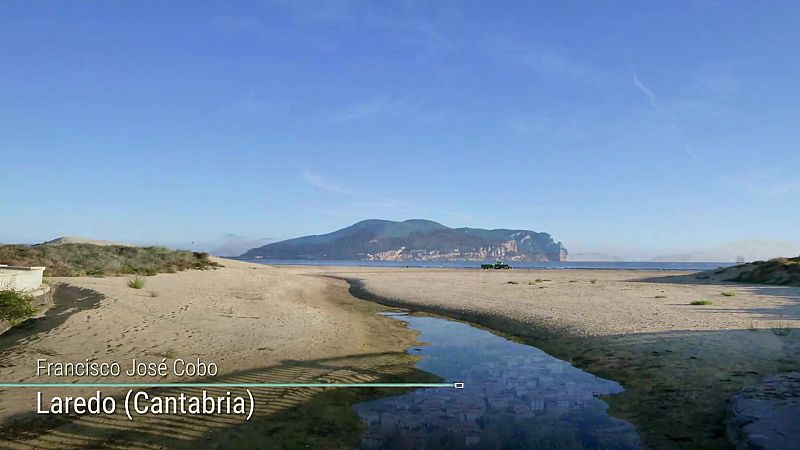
[632, 128]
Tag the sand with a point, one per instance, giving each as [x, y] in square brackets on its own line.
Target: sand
[256, 323]
[679, 363]
[588, 302]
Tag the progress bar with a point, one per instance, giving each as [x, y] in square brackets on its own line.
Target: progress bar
[234, 385]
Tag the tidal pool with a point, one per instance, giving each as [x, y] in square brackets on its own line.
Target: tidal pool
[515, 397]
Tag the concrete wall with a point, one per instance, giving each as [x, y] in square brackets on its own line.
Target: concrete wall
[21, 278]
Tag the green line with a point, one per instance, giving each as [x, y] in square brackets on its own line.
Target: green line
[242, 385]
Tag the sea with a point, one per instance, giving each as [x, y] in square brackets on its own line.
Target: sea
[599, 265]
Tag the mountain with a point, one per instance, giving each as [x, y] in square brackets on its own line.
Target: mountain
[79, 240]
[415, 240]
[747, 249]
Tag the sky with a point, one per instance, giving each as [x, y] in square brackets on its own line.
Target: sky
[625, 127]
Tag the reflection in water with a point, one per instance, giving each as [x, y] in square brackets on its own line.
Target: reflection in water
[515, 397]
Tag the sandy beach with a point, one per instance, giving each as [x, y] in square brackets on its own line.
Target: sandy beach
[256, 323]
[680, 363]
[585, 302]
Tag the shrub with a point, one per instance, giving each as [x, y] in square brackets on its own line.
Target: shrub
[593, 281]
[775, 271]
[512, 282]
[661, 296]
[702, 302]
[728, 294]
[15, 305]
[136, 282]
[153, 294]
[69, 260]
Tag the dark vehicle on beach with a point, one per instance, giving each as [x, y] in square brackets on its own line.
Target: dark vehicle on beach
[497, 265]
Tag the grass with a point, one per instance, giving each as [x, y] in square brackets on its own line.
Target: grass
[136, 282]
[153, 294]
[75, 260]
[728, 294]
[593, 281]
[660, 296]
[702, 302]
[16, 306]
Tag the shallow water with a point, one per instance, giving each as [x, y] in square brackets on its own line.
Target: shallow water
[608, 265]
[515, 396]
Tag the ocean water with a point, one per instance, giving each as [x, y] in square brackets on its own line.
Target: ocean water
[609, 265]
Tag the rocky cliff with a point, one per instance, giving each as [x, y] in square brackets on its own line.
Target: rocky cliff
[416, 240]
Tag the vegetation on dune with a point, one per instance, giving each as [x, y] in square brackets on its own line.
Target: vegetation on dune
[702, 302]
[775, 271]
[728, 294]
[73, 260]
[136, 282]
[15, 305]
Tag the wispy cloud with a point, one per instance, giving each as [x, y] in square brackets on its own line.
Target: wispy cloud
[542, 59]
[692, 154]
[231, 244]
[459, 215]
[249, 24]
[378, 105]
[321, 182]
[247, 104]
[778, 187]
[768, 183]
[538, 122]
[651, 97]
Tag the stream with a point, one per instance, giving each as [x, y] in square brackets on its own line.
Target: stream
[515, 397]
